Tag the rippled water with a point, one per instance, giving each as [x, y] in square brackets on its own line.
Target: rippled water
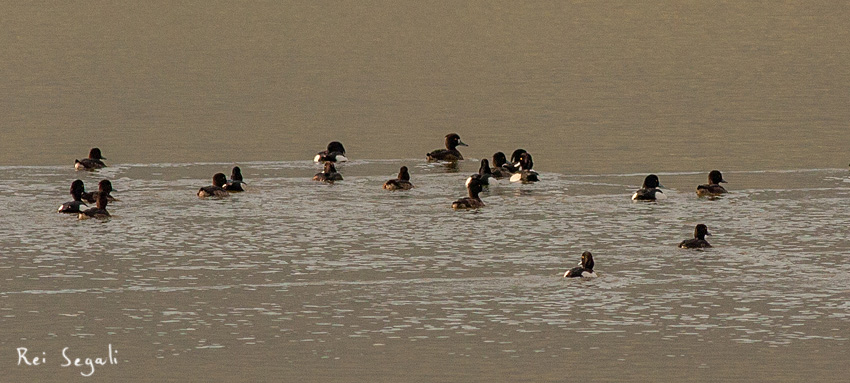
[303, 279]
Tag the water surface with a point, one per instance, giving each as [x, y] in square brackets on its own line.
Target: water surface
[299, 278]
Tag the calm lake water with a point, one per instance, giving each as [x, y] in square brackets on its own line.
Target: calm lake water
[295, 279]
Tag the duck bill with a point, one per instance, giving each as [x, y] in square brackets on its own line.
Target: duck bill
[460, 143]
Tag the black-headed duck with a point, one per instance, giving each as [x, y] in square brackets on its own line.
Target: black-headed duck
[525, 174]
[334, 153]
[501, 167]
[73, 207]
[91, 163]
[648, 191]
[216, 189]
[235, 183]
[515, 156]
[484, 173]
[585, 268]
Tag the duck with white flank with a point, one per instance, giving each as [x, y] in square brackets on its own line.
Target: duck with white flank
[235, 184]
[73, 207]
[585, 268]
[484, 174]
[525, 174]
[92, 163]
[648, 191]
[334, 153]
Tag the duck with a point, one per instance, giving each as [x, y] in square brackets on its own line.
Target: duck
[73, 207]
[474, 187]
[235, 184]
[92, 163]
[525, 174]
[515, 156]
[104, 186]
[698, 241]
[585, 268]
[713, 188]
[483, 175]
[450, 153]
[402, 182]
[216, 189]
[329, 174]
[501, 167]
[334, 153]
[98, 212]
[648, 190]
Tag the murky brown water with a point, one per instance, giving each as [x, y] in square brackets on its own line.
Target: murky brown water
[295, 280]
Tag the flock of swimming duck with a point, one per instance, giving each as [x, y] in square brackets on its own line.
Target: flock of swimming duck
[519, 169]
